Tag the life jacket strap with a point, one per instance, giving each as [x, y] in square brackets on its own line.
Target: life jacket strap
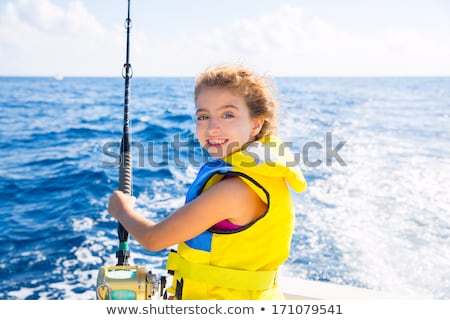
[221, 277]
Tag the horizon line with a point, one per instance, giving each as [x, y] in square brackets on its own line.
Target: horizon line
[61, 77]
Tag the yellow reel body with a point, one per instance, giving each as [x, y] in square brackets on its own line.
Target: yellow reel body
[127, 283]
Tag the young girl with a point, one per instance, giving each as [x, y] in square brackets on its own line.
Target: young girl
[236, 226]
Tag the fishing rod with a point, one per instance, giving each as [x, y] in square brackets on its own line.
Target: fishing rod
[125, 168]
[122, 281]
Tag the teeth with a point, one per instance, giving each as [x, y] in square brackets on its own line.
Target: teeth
[216, 141]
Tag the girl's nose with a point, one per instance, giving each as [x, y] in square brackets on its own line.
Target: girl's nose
[213, 125]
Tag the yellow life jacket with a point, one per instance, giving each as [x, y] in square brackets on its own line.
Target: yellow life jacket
[241, 264]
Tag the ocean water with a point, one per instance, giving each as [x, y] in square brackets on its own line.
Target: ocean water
[375, 153]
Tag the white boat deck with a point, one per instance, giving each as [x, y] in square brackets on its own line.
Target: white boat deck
[298, 289]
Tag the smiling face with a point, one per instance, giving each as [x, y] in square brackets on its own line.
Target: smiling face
[224, 124]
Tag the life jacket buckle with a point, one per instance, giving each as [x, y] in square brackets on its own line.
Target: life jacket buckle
[179, 289]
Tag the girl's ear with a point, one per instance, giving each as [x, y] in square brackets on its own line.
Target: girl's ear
[257, 125]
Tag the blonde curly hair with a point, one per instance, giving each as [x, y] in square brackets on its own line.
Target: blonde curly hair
[255, 89]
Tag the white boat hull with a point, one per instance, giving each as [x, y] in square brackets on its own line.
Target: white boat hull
[299, 289]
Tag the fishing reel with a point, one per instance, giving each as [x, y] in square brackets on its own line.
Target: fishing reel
[129, 283]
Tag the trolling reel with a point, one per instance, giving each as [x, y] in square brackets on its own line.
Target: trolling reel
[129, 283]
[125, 282]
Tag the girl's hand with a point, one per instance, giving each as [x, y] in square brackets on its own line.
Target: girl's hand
[119, 202]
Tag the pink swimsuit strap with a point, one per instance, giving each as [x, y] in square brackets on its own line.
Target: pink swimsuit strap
[226, 225]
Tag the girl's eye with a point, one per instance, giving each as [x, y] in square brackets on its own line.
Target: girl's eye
[228, 115]
[201, 117]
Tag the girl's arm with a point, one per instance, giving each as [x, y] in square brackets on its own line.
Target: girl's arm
[230, 199]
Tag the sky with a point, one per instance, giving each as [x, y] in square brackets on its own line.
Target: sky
[182, 38]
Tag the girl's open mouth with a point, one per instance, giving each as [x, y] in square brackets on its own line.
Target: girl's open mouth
[216, 142]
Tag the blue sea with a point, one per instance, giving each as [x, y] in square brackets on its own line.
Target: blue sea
[375, 153]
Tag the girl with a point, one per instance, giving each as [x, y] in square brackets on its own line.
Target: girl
[236, 226]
